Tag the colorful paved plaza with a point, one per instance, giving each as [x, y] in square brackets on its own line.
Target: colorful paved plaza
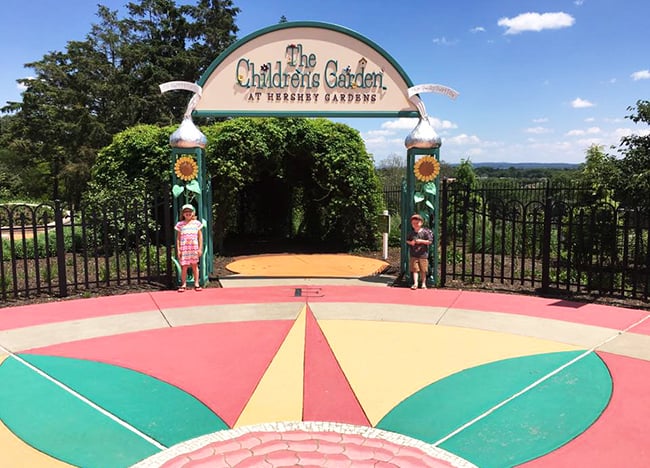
[323, 369]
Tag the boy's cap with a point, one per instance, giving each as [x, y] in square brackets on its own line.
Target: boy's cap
[417, 216]
[188, 207]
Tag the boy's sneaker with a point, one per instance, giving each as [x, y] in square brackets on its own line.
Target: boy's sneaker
[424, 286]
[415, 286]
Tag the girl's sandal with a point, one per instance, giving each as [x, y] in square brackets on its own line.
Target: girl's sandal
[198, 288]
[181, 289]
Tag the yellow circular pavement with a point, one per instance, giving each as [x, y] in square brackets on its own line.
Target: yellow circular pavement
[308, 265]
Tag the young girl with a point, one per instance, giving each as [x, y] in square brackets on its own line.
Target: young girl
[189, 245]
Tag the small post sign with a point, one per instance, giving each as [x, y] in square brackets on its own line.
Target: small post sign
[383, 220]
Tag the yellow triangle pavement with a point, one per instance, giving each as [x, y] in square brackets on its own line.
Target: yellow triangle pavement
[386, 362]
[279, 394]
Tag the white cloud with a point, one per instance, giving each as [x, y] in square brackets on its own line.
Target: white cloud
[463, 139]
[539, 144]
[380, 145]
[579, 103]
[578, 2]
[474, 152]
[540, 120]
[589, 131]
[623, 132]
[400, 124]
[641, 75]
[380, 133]
[587, 142]
[536, 22]
[444, 41]
[537, 130]
[21, 87]
[409, 124]
[477, 29]
[438, 124]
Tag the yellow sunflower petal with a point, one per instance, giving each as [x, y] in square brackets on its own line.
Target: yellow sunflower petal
[426, 168]
[186, 168]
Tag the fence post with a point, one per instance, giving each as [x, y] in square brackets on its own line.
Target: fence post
[443, 232]
[60, 249]
[169, 234]
[546, 241]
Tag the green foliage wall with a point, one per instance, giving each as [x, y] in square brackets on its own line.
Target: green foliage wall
[307, 179]
[138, 152]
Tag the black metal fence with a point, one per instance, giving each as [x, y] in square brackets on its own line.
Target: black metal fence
[544, 237]
[48, 249]
[392, 198]
[535, 236]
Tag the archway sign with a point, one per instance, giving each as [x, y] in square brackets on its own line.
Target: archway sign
[311, 69]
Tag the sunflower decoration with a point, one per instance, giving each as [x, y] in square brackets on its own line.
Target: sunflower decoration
[426, 168]
[186, 168]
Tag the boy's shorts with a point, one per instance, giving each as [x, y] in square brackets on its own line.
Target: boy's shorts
[419, 265]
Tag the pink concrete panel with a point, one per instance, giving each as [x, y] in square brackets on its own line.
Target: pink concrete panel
[213, 362]
[59, 311]
[618, 318]
[327, 392]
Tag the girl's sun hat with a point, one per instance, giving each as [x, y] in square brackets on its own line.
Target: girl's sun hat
[187, 207]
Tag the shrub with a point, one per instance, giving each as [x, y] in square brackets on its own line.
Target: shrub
[43, 245]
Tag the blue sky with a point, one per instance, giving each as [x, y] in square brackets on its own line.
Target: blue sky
[539, 81]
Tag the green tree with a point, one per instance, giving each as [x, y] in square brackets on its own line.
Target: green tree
[82, 96]
[392, 170]
[465, 174]
[140, 152]
[633, 181]
[599, 172]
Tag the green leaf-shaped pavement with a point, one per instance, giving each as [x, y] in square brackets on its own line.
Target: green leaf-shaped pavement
[531, 425]
[65, 427]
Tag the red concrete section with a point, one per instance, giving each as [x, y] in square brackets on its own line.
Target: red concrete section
[213, 362]
[568, 311]
[620, 436]
[643, 328]
[590, 314]
[327, 392]
[76, 309]
[37, 314]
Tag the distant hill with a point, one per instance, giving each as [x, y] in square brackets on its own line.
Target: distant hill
[531, 165]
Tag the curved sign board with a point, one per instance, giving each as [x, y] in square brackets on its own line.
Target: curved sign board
[305, 69]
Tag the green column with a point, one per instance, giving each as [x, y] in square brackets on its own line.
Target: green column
[431, 215]
[196, 191]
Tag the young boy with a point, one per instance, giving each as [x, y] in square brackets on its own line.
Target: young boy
[419, 240]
